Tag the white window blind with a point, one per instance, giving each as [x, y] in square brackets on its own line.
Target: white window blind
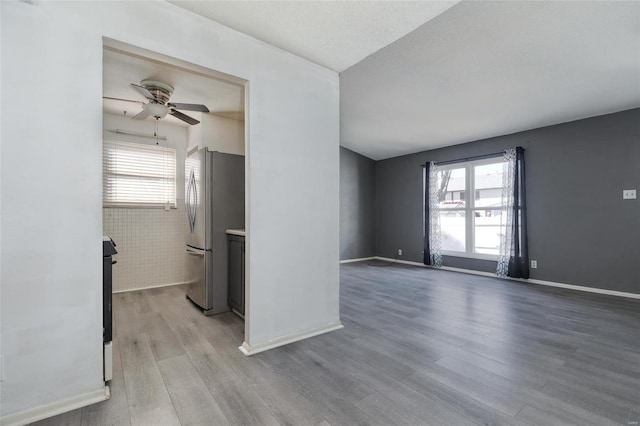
[138, 175]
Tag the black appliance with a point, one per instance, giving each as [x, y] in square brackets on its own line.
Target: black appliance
[108, 250]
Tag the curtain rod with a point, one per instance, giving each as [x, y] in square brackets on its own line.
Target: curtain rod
[143, 135]
[460, 160]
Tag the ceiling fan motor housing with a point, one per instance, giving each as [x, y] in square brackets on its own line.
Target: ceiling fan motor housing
[161, 91]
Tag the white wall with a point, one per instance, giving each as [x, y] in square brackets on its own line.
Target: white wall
[223, 134]
[218, 134]
[194, 137]
[150, 241]
[51, 177]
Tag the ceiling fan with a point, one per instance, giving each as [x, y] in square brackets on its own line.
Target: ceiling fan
[158, 94]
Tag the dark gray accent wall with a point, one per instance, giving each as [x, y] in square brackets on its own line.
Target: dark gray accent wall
[581, 231]
[357, 205]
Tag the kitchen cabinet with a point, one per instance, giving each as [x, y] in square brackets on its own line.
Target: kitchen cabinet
[235, 273]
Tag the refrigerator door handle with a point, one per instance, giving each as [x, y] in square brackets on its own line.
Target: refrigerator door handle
[195, 252]
[187, 202]
[192, 193]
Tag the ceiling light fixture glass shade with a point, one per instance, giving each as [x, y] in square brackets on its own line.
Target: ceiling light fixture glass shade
[156, 110]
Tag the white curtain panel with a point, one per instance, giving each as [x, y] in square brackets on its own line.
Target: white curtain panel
[507, 250]
[435, 240]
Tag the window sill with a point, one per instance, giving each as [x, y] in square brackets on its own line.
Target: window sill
[138, 206]
[491, 257]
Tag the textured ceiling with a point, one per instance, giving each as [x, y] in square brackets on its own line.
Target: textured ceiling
[483, 69]
[335, 34]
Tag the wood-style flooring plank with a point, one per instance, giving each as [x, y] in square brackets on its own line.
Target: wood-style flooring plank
[162, 341]
[241, 405]
[162, 415]
[191, 399]
[144, 385]
[72, 418]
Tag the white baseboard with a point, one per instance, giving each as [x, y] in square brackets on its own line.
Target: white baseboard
[53, 409]
[404, 262]
[530, 280]
[248, 349]
[581, 288]
[357, 260]
[148, 287]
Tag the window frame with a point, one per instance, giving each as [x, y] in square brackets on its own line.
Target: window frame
[470, 207]
[139, 204]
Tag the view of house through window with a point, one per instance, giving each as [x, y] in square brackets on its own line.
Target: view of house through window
[138, 175]
[470, 201]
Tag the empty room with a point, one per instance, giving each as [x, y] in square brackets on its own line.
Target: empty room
[320, 213]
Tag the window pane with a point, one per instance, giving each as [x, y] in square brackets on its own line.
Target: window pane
[451, 188]
[488, 185]
[452, 230]
[487, 231]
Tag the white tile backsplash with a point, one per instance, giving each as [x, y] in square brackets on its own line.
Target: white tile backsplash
[150, 244]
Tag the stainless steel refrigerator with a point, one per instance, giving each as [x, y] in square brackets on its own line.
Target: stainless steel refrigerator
[214, 202]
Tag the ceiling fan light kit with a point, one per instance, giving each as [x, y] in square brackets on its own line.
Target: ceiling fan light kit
[156, 110]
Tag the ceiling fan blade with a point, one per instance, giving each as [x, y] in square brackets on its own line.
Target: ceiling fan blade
[189, 107]
[123, 100]
[183, 117]
[143, 91]
[141, 115]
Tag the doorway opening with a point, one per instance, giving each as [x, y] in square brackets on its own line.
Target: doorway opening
[158, 110]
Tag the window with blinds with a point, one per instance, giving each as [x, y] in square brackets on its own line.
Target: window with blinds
[139, 175]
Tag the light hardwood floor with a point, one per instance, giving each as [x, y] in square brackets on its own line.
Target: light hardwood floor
[420, 347]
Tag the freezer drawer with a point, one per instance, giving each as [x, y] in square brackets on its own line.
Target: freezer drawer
[197, 289]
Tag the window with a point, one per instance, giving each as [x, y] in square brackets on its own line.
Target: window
[470, 226]
[138, 175]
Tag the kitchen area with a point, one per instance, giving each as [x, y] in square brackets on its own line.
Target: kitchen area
[173, 202]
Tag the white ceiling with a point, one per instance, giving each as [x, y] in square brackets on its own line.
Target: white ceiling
[483, 69]
[335, 34]
[120, 69]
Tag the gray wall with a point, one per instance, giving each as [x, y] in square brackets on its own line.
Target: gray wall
[581, 231]
[357, 205]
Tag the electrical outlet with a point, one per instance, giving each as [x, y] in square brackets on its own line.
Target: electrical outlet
[399, 252]
[534, 264]
[628, 194]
